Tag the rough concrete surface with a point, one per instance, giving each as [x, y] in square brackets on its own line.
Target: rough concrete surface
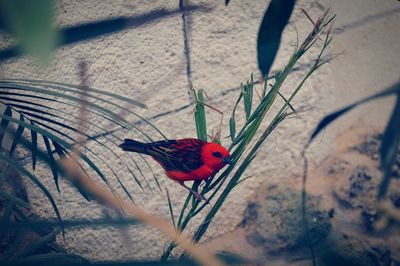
[147, 63]
[342, 212]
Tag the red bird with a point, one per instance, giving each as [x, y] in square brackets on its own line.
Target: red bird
[184, 159]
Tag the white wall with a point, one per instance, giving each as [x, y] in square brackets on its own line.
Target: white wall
[147, 64]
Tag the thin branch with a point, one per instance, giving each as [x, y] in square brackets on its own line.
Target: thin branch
[308, 16]
[186, 30]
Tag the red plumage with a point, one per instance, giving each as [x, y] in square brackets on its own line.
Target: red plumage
[183, 159]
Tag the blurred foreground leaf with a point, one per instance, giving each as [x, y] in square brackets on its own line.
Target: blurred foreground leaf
[31, 21]
[269, 35]
[50, 40]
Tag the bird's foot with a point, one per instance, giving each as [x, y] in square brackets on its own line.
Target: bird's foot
[195, 193]
[200, 197]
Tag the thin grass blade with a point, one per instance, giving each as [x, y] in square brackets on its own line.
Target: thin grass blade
[200, 117]
[248, 97]
[232, 121]
[287, 102]
[171, 211]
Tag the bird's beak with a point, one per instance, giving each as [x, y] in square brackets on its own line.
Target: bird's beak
[227, 160]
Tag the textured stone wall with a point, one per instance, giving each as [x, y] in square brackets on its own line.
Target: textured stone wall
[147, 63]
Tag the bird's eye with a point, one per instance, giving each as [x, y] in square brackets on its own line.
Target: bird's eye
[217, 154]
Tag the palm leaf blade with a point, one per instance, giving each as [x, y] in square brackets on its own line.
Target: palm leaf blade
[34, 148]
[53, 165]
[4, 123]
[17, 135]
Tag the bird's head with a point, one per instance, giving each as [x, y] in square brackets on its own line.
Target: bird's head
[215, 156]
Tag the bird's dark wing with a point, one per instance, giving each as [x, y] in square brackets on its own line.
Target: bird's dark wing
[183, 155]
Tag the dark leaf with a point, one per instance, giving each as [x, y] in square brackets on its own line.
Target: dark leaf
[86, 159]
[17, 135]
[20, 95]
[269, 35]
[59, 149]
[53, 165]
[171, 211]
[47, 87]
[34, 147]
[14, 99]
[25, 107]
[4, 123]
[49, 120]
[37, 130]
[75, 97]
[390, 147]
[394, 89]
[329, 119]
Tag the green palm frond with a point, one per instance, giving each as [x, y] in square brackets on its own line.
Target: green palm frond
[43, 116]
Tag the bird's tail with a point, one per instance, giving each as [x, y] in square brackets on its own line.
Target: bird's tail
[134, 146]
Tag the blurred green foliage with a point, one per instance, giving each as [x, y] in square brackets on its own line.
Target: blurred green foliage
[31, 22]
